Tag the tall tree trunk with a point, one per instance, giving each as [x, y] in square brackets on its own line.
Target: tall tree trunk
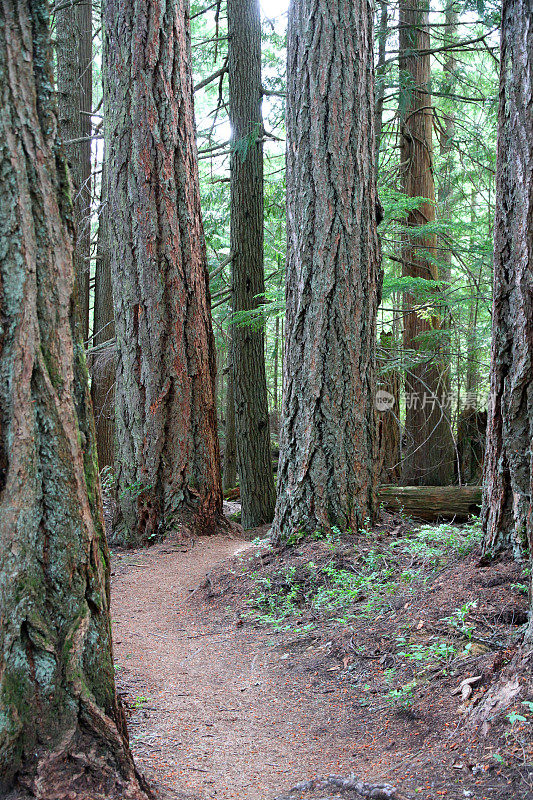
[472, 349]
[447, 133]
[445, 198]
[229, 474]
[507, 502]
[388, 418]
[276, 367]
[248, 278]
[61, 730]
[74, 44]
[104, 362]
[381, 67]
[168, 462]
[429, 457]
[328, 452]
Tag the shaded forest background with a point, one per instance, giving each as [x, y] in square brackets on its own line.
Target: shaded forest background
[199, 240]
[434, 433]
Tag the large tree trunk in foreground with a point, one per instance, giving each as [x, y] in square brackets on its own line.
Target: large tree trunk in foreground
[74, 46]
[168, 462]
[61, 731]
[429, 453]
[248, 277]
[103, 365]
[328, 453]
[507, 502]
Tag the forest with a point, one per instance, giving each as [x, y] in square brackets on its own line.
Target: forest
[266, 399]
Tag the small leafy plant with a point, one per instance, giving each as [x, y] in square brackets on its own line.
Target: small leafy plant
[458, 619]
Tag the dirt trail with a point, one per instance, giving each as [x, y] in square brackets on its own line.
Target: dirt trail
[219, 715]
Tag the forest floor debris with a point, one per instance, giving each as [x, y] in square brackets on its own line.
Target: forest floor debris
[246, 671]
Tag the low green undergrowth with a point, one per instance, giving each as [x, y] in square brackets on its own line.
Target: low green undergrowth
[352, 581]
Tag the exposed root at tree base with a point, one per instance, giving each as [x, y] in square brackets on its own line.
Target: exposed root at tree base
[89, 768]
[344, 788]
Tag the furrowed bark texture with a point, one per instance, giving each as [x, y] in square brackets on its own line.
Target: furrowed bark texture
[248, 278]
[103, 364]
[74, 53]
[168, 462]
[429, 454]
[507, 504]
[61, 729]
[328, 449]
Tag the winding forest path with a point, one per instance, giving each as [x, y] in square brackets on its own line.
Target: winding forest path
[218, 715]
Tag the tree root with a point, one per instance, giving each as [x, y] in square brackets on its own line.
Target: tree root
[514, 681]
[347, 787]
[93, 762]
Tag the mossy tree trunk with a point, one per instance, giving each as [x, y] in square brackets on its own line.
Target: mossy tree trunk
[328, 448]
[61, 730]
[252, 429]
[167, 458]
[508, 485]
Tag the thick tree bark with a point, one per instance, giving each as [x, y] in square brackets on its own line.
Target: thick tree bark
[103, 365]
[168, 462]
[328, 449]
[507, 503]
[429, 454]
[74, 45]
[248, 277]
[61, 730]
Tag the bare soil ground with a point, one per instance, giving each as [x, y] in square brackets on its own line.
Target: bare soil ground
[319, 675]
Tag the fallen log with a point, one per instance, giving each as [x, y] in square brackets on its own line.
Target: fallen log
[431, 503]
